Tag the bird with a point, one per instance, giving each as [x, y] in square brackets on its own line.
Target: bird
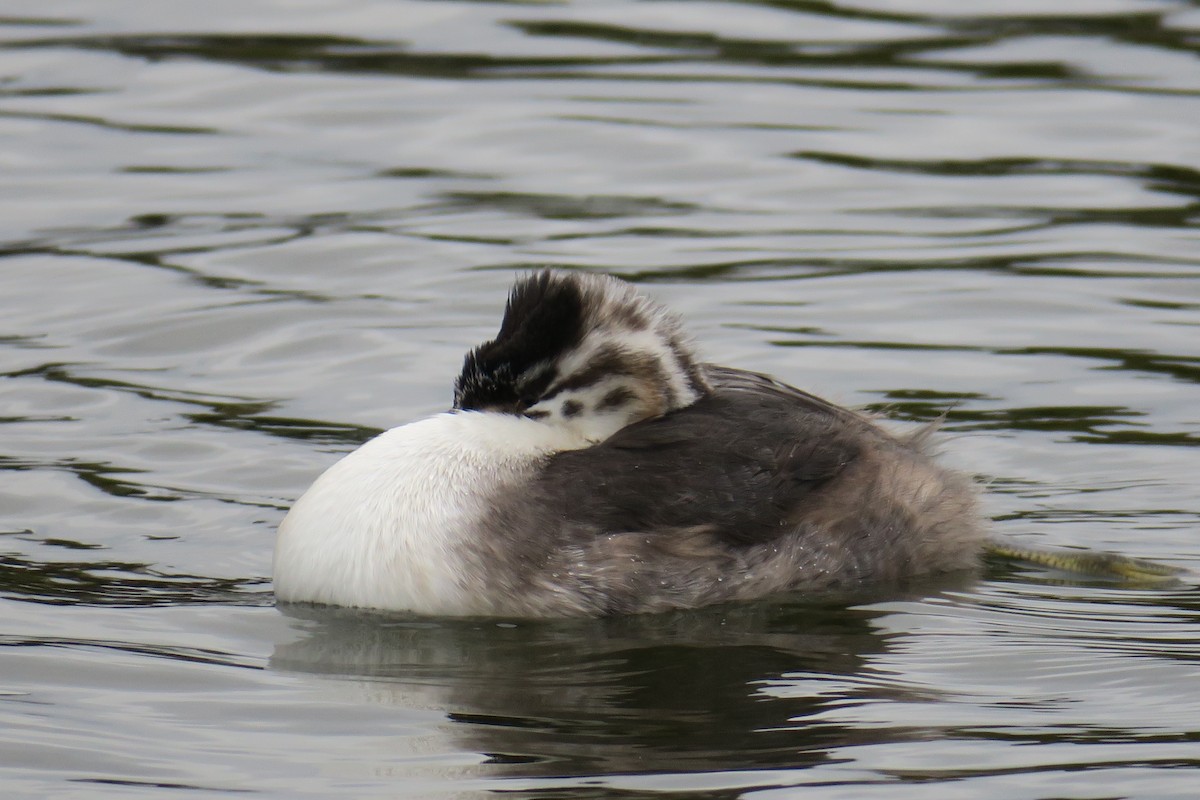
[593, 464]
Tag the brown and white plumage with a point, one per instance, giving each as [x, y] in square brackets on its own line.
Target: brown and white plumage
[593, 465]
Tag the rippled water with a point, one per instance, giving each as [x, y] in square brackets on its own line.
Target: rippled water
[240, 237]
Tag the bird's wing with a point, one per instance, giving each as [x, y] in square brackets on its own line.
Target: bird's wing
[742, 462]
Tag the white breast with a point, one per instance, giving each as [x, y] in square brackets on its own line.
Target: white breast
[385, 526]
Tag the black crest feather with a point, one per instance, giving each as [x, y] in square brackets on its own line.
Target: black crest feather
[543, 319]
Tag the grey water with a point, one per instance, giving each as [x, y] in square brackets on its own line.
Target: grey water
[239, 238]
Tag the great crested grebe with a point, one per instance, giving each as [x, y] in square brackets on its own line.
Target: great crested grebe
[593, 465]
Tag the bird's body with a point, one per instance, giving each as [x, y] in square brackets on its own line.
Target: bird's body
[593, 465]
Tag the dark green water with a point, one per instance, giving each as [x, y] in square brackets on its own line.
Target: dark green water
[238, 238]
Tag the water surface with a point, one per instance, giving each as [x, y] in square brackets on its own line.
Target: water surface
[238, 239]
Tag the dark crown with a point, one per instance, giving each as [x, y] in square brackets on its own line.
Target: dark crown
[542, 320]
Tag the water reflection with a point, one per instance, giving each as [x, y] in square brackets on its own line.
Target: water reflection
[544, 699]
[332, 54]
[239, 414]
[920, 43]
[120, 584]
[771, 694]
[564, 206]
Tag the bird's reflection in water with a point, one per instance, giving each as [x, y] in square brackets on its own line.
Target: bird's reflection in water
[674, 693]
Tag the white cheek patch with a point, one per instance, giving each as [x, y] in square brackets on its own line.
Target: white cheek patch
[594, 412]
[654, 343]
[625, 334]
